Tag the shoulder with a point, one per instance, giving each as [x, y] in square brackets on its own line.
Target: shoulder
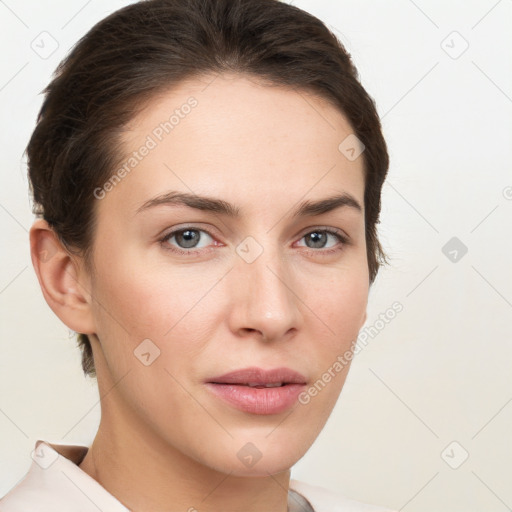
[54, 482]
[326, 500]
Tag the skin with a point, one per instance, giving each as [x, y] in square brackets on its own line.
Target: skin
[163, 438]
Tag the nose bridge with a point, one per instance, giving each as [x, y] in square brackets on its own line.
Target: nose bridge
[265, 298]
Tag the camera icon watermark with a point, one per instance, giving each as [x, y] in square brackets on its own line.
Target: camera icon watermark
[146, 352]
[454, 455]
[47, 254]
[454, 249]
[454, 45]
[249, 249]
[351, 147]
[43, 456]
[44, 45]
[249, 454]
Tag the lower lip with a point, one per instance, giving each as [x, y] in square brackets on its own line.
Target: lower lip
[258, 400]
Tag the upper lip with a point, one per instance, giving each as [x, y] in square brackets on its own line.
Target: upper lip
[255, 375]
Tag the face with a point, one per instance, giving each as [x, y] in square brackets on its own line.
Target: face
[184, 294]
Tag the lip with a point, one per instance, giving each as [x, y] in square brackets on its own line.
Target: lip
[260, 376]
[232, 388]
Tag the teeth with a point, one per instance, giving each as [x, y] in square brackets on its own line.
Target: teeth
[272, 385]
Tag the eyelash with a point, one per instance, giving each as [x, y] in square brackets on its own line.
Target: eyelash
[336, 233]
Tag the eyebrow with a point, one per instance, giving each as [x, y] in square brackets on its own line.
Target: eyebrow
[212, 204]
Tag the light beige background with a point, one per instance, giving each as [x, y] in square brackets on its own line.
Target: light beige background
[434, 385]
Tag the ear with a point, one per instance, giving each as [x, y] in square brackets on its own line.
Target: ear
[63, 280]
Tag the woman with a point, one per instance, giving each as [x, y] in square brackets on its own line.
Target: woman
[207, 177]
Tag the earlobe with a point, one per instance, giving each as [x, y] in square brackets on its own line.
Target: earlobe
[64, 284]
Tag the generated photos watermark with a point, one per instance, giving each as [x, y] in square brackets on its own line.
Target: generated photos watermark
[152, 140]
[343, 360]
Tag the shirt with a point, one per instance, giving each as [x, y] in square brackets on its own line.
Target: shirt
[55, 483]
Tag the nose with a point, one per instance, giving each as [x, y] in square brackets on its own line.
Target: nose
[265, 297]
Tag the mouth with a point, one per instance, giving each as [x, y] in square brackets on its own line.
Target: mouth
[254, 384]
[257, 377]
[258, 391]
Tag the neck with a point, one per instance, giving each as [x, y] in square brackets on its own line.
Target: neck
[146, 474]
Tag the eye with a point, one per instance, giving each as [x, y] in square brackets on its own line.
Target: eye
[319, 237]
[186, 239]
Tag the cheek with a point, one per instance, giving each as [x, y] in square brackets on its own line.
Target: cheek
[131, 304]
[340, 309]
[348, 305]
[340, 303]
[136, 297]
[165, 304]
[134, 309]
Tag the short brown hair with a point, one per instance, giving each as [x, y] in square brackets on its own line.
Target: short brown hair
[147, 47]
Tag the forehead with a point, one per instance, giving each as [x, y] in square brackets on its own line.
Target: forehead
[231, 135]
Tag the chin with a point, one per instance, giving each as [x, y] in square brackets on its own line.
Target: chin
[260, 469]
[257, 458]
